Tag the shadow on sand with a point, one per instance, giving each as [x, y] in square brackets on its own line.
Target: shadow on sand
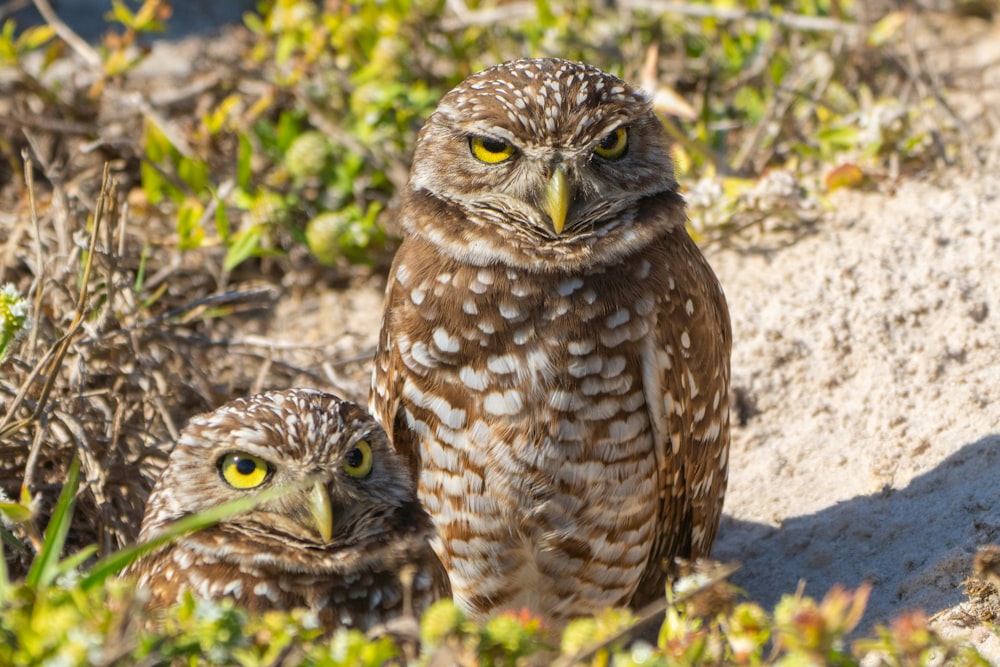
[915, 545]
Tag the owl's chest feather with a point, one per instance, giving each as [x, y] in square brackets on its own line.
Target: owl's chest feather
[516, 373]
[357, 597]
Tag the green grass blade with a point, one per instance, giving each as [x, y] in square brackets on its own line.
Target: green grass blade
[16, 512]
[44, 567]
[12, 542]
[114, 563]
[74, 561]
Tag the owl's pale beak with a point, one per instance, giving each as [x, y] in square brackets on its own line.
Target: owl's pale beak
[319, 508]
[557, 198]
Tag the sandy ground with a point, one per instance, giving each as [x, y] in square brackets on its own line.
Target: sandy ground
[868, 351]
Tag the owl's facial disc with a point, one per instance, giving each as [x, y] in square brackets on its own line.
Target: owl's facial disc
[552, 179]
[315, 513]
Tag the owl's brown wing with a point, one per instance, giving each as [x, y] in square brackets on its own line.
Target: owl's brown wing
[686, 383]
[385, 402]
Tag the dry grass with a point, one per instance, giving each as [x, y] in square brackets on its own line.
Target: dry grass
[129, 336]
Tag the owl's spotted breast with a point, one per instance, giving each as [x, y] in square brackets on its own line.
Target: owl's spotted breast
[358, 588]
[537, 448]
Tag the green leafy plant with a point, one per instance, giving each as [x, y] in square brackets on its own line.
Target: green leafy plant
[13, 316]
[15, 46]
[66, 612]
[119, 52]
[322, 124]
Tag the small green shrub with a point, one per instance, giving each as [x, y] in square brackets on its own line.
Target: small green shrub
[13, 316]
[324, 118]
[65, 612]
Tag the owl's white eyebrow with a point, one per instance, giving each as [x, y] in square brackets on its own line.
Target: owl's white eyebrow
[625, 122]
[245, 448]
[611, 127]
[493, 132]
[368, 436]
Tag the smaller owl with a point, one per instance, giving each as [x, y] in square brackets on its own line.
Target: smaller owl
[336, 545]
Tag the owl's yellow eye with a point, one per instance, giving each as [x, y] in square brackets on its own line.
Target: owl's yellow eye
[358, 462]
[614, 145]
[243, 471]
[490, 150]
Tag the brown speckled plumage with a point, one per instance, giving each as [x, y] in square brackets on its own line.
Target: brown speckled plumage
[560, 390]
[274, 557]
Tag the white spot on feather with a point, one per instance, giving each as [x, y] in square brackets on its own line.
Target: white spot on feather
[619, 318]
[503, 403]
[565, 401]
[445, 342]
[448, 415]
[475, 380]
[582, 367]
[644, 306]
[509, 312]
[502, 365]
[567, 287]
[402, 275]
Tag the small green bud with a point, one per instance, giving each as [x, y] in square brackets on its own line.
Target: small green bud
[507, 631]
[441, 619]
[13, 316]
[581, 633]
[268, 209]
[333, 235]
[307, 156]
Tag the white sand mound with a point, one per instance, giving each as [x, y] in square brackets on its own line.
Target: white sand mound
[868, 353]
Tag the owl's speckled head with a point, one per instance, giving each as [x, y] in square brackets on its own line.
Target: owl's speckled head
[555, 103]
[544, 156]
[348, 478]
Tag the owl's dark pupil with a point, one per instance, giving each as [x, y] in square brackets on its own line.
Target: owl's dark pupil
[245, 466]
[495, 145]
[609, 142]
[355, 458]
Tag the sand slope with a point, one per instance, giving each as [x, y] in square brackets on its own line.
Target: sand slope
[869, 351]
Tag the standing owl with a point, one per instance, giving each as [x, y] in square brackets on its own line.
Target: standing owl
[554, 357]
[336, 545]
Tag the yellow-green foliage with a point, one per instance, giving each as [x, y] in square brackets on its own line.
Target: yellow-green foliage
[13, 316]
[755, 85]
[67, 615]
